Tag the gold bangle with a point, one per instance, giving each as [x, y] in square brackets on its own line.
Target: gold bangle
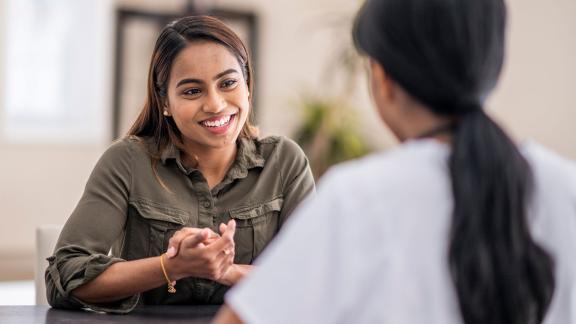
[171, 288]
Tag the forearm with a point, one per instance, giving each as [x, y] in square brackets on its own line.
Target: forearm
[125, 279]
[122, 280]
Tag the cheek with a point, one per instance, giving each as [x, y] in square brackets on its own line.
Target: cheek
[245, 106]
[180, 123]
[244, 112]
[183, 112]
[376, 94]
[242, 101]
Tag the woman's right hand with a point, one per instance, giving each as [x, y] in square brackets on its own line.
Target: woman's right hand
[201, 253]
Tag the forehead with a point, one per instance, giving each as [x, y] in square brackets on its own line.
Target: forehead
[203, 60]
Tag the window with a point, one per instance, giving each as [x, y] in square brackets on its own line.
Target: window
[57, 70]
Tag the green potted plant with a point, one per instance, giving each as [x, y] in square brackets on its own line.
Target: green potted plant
[329, 129]
[328, 133]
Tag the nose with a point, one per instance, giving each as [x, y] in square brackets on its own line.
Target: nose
[214, 103]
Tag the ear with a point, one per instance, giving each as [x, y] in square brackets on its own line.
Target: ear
[165, 108]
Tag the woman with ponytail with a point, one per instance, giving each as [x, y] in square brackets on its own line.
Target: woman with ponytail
[456, 225]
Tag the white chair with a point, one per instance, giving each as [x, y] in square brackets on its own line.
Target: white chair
[46, 238]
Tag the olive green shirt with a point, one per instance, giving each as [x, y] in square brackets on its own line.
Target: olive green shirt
[126, 213]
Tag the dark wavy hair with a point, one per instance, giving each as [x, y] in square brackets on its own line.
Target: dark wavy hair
[173, 38]
[448, 55]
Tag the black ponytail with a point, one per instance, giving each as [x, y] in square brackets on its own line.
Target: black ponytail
[448, 55]
[501, 275]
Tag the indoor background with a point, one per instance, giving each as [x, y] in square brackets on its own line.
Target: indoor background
[64, 97]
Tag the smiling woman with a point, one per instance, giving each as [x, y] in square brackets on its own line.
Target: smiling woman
[208, 105]
[191, 196]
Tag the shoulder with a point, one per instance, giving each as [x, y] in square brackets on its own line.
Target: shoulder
[125, 149]
[551, 171]
[279, 145]
[285, 157]
[281, 151]
[407, 166]
[407, 180]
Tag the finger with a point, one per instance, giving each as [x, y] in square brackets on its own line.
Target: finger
[195, 240]
[210, 240]
[230, 229]
[225, 242]
[228, 235]
[176, 239]
[222, 228]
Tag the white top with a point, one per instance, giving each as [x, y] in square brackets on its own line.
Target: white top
[372, 246]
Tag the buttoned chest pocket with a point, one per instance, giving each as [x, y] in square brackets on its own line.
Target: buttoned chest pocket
[159, 223]
[255, 228]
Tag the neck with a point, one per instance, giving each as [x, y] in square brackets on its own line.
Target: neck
[420, 122]
[212, 162]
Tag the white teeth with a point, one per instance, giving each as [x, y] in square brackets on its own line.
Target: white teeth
[217, 123]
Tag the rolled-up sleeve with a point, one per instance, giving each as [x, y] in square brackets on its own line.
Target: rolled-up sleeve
[82, 251]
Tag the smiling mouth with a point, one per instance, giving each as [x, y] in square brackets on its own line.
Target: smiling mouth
[218, 125]
[217, 122]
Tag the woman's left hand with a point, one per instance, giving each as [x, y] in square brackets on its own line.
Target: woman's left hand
[235, 272]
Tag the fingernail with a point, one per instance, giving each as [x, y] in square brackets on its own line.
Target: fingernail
[171, 252]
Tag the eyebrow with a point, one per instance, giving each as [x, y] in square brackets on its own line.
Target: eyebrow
[218, 76]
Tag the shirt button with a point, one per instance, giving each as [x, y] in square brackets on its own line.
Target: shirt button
[206, 204]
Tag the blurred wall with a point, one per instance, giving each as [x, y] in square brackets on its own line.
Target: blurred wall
[536, 97]
[41, 183]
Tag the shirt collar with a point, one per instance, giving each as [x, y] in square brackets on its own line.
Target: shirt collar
[247, 157]
[171, 152]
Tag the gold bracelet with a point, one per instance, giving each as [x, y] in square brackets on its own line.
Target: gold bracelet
[171, 288]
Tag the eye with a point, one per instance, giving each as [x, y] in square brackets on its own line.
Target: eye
[227, 84]
[192, 91]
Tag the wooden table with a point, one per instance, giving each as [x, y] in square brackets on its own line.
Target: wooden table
[142, 314]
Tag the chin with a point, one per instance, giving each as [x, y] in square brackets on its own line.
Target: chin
[224, 141]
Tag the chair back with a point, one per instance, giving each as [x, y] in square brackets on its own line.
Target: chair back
[46, 238]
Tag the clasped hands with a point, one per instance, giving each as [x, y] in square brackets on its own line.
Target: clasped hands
[202, 253]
